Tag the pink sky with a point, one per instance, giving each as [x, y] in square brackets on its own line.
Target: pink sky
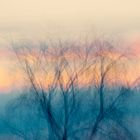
[11, 77]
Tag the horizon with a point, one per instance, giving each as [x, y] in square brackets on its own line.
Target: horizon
[11, 73]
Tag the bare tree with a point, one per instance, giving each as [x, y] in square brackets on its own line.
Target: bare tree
[107, 61]
[36, 64]
[56, 72]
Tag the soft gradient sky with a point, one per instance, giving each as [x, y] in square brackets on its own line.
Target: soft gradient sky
[40, 19]
[52, 17]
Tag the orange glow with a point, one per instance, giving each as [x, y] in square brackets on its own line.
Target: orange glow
[15, 78]
[5, 81]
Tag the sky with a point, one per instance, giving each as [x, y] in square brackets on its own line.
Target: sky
[42, 19]
[53, 17]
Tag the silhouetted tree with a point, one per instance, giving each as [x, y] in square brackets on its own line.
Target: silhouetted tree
[72, 89]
